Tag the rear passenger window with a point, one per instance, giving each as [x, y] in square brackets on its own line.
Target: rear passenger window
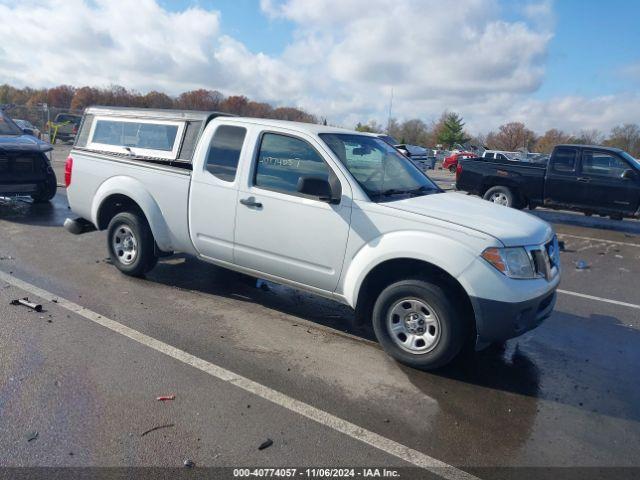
[282, 160]
[564, 160]
[224, 152]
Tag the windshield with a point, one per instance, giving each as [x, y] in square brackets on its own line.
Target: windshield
[7, 127]
[633, 161]
[381, 171]
[389, 139]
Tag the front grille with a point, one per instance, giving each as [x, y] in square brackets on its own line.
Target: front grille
[546, 259]
[23, 165]
[541, 263]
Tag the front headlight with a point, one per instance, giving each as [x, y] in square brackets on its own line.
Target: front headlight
[513, 262]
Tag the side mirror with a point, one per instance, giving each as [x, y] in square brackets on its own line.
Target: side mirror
[629, 174]
[319, 187]
[27, 131]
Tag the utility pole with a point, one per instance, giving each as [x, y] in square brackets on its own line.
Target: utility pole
[390, 110]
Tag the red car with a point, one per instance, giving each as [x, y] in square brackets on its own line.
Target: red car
[451, 162]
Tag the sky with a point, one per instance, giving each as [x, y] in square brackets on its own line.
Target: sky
[569, 64]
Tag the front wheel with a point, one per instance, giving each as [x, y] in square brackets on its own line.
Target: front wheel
[131, 244]
[418, 325]
[47, 190]
[452, 169]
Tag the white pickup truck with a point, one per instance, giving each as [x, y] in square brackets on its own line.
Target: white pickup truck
[331, 211]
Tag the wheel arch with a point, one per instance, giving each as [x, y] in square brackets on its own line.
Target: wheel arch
[403, 255]
[119, 194]
[390, 271]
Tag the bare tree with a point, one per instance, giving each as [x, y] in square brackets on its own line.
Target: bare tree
[550, 139]
[511, 137]
[626, 137]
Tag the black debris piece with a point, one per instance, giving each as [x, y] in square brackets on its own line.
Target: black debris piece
[31, 436]
[169, 425]
[266, 444]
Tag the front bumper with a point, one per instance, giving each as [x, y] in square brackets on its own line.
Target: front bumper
[18, 189]
[504, 320]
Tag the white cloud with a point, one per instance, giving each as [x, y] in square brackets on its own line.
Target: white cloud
[343, 59]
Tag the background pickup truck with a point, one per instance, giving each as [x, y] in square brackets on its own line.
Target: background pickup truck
[24, 166]
[338, 213]
[586, 178]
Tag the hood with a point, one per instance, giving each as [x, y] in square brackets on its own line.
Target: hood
[414, 149]
[23, 143]
[512, 227]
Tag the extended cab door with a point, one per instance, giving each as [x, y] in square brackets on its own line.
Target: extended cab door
[214, 191]
[282, 232]
[605, 187]
[562, 186]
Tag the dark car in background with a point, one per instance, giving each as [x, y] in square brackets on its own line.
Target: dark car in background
[65, 127]
[586, 178]
[419, 155]
[24, 166]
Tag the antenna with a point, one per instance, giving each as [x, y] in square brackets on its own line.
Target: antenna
[390, 110]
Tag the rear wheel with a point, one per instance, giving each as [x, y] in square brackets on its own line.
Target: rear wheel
[131, 244]
[502, 196]
[452, 169]
[416, 324]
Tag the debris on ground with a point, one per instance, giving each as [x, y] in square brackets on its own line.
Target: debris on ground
[582, 265]
[266, 444]
[189, 463]
[165, 398]
[25, 301]
[561, 245]
[31, 436]
[159, 427]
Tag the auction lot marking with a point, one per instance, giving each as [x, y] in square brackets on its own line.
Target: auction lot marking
[599, 299]
[327, 419]
[599, 240]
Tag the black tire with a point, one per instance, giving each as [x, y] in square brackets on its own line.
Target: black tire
[131, 231]
[451, 324]
[47, 190]
[452, 169]
[503, 196]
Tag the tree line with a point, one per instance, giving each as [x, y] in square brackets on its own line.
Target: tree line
[447, 131]
[77, 99]
[512, 136]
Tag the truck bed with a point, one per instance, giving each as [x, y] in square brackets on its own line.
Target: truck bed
[167, 186]
[478, 174]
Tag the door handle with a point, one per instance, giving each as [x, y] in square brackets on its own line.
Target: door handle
[583, 179]
[250, 202]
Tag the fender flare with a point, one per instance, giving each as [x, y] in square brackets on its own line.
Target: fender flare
[136, 191]
[407, 245]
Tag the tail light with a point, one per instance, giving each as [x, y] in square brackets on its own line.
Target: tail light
[68, 168]
[458, 170]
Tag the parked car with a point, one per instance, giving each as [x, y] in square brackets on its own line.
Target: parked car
[419, 155]
[24, 167]
[451, 162]
[335, 212]
[585, 178]
[27, 127]
[65, 127]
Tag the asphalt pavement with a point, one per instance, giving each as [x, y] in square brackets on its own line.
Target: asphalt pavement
[297, 372]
